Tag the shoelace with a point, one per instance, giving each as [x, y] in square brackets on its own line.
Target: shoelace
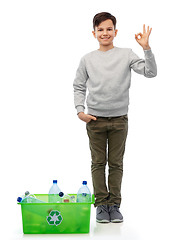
[103, 209]
[113, 208]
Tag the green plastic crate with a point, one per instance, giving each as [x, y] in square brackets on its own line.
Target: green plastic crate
[40, 218]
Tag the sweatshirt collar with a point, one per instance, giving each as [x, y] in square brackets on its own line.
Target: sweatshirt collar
[110, 50]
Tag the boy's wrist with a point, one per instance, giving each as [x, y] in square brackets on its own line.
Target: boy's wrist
[80, 109]
[79, 114]
[146, 47]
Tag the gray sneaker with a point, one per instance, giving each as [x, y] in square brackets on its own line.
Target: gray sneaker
[115, 214]
[102, 214]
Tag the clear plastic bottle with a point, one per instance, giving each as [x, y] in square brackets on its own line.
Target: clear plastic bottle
[84, 194]
[53, 193]
[29, 199]
[26, 194]
[64, 198]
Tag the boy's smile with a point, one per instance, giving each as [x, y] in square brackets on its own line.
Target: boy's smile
[105, 34]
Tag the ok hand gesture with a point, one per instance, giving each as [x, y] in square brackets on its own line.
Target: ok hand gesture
[144, 38]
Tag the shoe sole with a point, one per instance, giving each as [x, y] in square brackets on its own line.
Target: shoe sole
[103, 221]
[117, 221]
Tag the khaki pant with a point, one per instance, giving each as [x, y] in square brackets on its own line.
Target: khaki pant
[107, 137]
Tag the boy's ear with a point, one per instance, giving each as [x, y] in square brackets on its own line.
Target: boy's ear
[116, 31]
[94, 34]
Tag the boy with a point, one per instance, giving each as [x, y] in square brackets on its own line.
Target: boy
[106, 73]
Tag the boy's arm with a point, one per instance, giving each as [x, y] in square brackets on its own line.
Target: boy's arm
[80, 92]
[146, 67]
[79, 86]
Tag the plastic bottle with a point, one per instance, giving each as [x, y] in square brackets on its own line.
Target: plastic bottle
[29, 199]
[64, 198]
[53, 193]
[84, 194]
[25, 194]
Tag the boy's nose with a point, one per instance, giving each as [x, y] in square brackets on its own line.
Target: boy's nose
[105, 32]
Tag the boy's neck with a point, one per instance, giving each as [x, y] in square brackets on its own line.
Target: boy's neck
[105, 48]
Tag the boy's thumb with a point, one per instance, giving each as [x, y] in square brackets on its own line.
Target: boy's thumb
[94, 118]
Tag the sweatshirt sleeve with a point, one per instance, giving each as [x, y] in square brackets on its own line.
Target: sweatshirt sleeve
[146, 67]
[79, 86]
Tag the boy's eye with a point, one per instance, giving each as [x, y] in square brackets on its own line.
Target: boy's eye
[107, 29]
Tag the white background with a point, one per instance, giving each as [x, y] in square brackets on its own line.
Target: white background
[41, 137]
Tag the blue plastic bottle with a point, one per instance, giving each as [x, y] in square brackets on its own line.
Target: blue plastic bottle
[29, 199]
[84, 194]
[54, 193]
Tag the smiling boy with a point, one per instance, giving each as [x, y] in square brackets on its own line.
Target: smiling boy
[106, 73]
[105, 34]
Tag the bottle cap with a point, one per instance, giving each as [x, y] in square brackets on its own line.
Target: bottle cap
[19, 199]
[61, 194]
[84, 182]
[54, 181]
[27, 193]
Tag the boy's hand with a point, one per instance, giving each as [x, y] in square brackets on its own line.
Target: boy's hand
[86, 117]
[143, 40]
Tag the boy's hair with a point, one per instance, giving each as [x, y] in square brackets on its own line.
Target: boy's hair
[101, 17]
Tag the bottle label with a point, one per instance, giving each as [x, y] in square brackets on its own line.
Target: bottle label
[84, 198]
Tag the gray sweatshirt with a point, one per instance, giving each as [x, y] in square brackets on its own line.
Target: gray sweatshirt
[107, 77]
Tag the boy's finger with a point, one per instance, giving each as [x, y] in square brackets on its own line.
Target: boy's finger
[144, 30]
[139, 35]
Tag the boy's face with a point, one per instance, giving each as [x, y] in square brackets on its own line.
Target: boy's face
[105, 33]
